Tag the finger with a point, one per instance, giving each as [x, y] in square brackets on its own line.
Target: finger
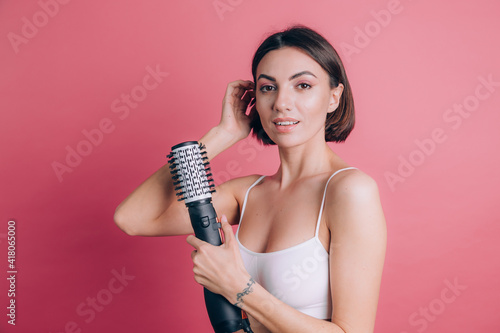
[241, 105]
[239, 87]
[227, 229]
[248, 97]
[246, 83]
[194, 242]
[200, 280]
[239, 91]
[237, 82]
[249, 84]
[252, 93]
[193, 254]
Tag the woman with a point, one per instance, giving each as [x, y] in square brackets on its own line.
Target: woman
[309, 251]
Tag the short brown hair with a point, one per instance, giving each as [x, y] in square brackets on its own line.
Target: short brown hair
[339, 123]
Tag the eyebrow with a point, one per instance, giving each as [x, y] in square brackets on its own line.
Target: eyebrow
[270, 78]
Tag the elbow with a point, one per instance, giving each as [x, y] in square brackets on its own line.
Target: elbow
[123, 222]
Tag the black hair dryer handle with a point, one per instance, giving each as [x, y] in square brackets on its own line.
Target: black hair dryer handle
[224, 317]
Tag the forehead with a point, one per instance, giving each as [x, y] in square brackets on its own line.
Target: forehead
[288, 60]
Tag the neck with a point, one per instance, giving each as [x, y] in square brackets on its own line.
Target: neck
[303, 161]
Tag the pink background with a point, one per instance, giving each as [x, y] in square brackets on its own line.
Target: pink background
[412, 65]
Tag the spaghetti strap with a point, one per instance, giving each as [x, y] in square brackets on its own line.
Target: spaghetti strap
[323, 201]
[245, 202]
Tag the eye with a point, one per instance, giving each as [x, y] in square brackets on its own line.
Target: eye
[304, 85]
[266, 88]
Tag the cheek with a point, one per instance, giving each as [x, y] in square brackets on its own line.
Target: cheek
[314, 105]
[262, 104]
[259, 109]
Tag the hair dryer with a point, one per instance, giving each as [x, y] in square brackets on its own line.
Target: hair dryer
[193, 183]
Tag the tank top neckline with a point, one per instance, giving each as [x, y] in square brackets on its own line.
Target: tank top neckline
[293, 247]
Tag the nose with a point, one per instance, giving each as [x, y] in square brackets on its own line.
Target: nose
[283, 101]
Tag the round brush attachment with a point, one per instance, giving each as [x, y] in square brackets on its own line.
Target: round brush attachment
[190, 171]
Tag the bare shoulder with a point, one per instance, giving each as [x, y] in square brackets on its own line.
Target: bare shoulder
[353, 198]
[238, 186]
[352, 184]
[357, 248]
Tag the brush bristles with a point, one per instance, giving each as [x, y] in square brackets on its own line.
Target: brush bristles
[191, 172]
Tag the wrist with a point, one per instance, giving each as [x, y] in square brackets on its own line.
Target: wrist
[242, 288]
[216, 140]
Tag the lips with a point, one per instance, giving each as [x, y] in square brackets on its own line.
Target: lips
[285, 121]
[285, 125]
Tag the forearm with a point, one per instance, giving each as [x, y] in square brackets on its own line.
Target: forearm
[217, 140]
[277, 316]
[148, 210]
[136, 214]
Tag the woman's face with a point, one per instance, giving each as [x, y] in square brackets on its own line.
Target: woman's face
[293, 97]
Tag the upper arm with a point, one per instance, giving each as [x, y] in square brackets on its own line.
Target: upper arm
[225, 200]
[357, 251]
[174, 220]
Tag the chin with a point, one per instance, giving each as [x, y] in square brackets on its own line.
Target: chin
[293, 140]
[287, 141]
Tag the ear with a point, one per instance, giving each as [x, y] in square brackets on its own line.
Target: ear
[335, 95]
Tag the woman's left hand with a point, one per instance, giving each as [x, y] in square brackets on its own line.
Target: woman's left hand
[220, 269]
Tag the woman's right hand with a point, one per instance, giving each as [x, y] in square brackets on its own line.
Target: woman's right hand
[234, 119]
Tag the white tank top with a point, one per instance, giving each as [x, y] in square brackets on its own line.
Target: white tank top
[299, 275]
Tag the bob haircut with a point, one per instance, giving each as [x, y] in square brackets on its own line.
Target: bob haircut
[340, 122]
